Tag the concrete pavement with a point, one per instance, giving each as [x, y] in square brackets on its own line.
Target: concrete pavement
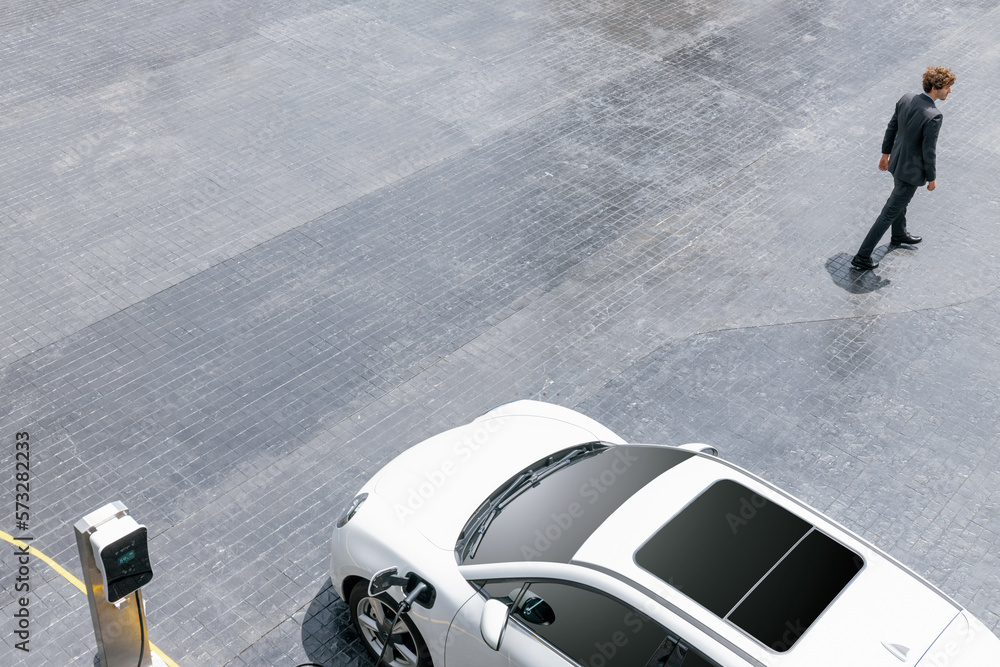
[253, 250]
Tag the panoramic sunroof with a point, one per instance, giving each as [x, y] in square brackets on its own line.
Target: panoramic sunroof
[750, 561]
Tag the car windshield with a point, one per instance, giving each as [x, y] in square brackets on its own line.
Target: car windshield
[549, 509]
[751, 562]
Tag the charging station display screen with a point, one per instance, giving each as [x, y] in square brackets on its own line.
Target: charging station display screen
[126, 564]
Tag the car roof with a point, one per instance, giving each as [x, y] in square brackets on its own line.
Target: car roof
[552, 517]
[892, 600]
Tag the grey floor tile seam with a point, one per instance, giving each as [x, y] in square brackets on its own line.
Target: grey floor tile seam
[499, 384]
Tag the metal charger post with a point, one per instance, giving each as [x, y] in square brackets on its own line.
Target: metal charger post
[119, 624]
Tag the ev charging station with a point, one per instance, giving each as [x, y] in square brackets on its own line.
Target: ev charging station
[115, 560]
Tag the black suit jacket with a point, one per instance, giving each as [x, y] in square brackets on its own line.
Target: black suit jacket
[911, 139]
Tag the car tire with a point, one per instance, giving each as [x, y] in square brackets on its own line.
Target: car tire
[370, 615]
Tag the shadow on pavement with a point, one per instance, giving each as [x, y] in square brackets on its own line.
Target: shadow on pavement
[847, 277]
[328, 637]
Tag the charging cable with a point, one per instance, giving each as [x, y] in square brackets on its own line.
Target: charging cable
[403, 607]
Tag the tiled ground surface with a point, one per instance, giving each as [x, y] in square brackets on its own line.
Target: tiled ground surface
[251, 250]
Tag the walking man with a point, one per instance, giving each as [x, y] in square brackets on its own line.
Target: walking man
[908, 153]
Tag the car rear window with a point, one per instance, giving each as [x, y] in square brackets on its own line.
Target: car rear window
[751, 562]
[551, 521]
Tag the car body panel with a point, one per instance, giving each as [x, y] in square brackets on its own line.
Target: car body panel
[436, 485]
[518, 647]
[388, 531]
[883, 603]
[886, 614]
[360, 549]
[965, 643]
[621, 589]
[528, 408]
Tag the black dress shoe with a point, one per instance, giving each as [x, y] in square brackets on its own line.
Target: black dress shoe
[863, 263]
[909, 239]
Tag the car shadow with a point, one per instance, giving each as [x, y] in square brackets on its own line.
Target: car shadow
[852, 280]
[328, 636]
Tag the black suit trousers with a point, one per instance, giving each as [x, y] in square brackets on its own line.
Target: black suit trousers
[893, 215]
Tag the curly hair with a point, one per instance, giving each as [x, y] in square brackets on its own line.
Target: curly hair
[938, 77]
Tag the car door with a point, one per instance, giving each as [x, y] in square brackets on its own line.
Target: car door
[464, 645]
[561, 623]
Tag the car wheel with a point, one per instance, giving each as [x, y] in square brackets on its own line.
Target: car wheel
[372, 615]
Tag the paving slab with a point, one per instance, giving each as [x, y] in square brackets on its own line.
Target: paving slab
[253, 250]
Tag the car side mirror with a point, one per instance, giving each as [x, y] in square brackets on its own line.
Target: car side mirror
[493, 623]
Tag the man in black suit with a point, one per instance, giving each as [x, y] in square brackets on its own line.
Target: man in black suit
[908, 153]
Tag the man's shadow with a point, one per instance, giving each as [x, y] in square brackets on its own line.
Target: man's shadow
[860, 282]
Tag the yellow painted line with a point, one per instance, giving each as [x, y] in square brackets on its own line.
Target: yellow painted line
[38, 554]
[71, 579]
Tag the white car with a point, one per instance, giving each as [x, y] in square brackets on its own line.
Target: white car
[535, 536]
